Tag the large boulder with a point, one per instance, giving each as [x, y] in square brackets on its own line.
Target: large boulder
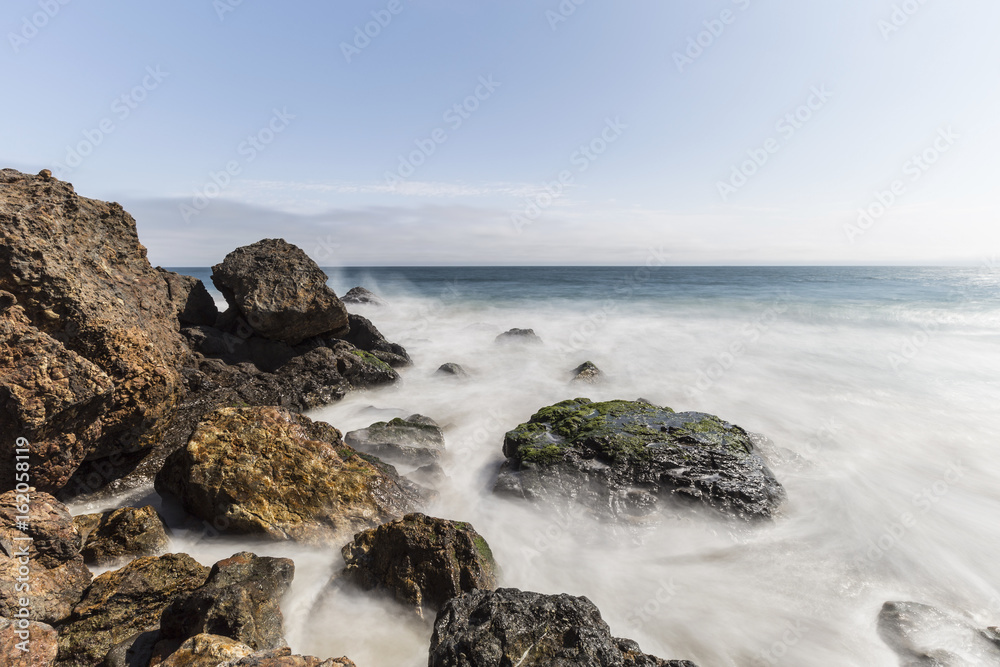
[422, 561]
[364, 336]
[189, 300]
[512, 627]
[123, 603]
[57, 575]
[407, 441]
[269, 472]
[280, 292]
[621, 459]
[127, 532]
[362, 295]
[77, 268]
[925, 636]
[33, 646]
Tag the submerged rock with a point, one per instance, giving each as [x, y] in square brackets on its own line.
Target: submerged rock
[518, 336]
[361, 295]
[364, 336]
[925, 636]
[453, 370]
[127, 532]
[512, 627]
[587, 373]
[269, 472]
[406, 441]
[620, 459]
[280, 292]
[41, 644]
[422, 561]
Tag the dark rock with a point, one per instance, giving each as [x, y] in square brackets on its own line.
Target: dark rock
[587, 373]
[364, 336]
[127, 532]
[621, 458]
[924, 636]
[400, 441]
[41, 644]
[58, 575]
[512, 627]
[240, 600]
[280, 292]
[422, 561]
[519, 336]
[125, 602]
[136, 651]
[430, 476]
[189, 299]
[453, 370]
[361, 295]
[269, 472]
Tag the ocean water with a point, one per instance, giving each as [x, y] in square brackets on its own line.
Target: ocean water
[874, 391]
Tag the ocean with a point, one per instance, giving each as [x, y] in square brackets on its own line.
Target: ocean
[874, 392]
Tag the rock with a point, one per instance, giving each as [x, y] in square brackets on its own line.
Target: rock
[125, 602]
[620, 459]
[512, 627]
[127, 532]
[422, 561]
[138, 650]
[587, 373]
[40, 642]
[58, 576]
[283, 657]
[77, 268]
[453, 370]
[364, 336]
[50, 396]
[207, 650]
[269, 472]
[430, 476]
[361, 295]
[280, 292]
[924, 636]
[190, 301]
[399, 441]
[519, 336]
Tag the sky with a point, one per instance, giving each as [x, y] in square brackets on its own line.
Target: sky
[510, 132]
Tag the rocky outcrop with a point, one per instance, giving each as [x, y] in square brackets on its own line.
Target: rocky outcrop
[361, 295]
[276, 474]
[207, 650]
[620, 459]
[280, 292]
[409, 441]
[50, 544]
[76, 267]
[422, 561]
[512, 627]
[189, 300]
[240, 600]
[452, 370]
[117, 535]
[519, 336]
[925, 636]
[364, 336]
[123, 603]
[587, 373]
[33, 646]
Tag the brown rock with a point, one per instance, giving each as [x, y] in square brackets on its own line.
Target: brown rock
[207, 650]
[190, 301]
[283, 657]
[37, 649]
[127, 532]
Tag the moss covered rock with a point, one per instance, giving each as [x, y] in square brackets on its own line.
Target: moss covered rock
[623, 458]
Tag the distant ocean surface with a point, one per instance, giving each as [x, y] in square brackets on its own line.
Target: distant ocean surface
[875, 392]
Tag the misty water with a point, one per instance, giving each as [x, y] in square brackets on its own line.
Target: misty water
[874, 392]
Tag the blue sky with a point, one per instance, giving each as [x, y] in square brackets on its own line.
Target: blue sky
[590, 133]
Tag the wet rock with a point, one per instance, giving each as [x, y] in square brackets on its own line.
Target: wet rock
[924, 636]
[58, 576]
[125, 602]
[240, 600]
[587, 373]
[429, 476]
[40, 643]
[519, 336]
[191, 302]
[364, 336]
[207, 650]
[361, 295]
[136, 651]
[269, 472]
[453, 370]
[127, 532]
[282, 657]
[280, 292]
[402, 441]
[512, 627]
[621, 459]
[422, 561]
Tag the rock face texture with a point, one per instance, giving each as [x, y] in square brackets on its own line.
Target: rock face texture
[282, 657]
[41, 645]
[361, 295]
[207, 651]
[269, 472]
[512, 627]
[190, 301]
[422, 561]
[402, 441]
[364, 336]
[127, 532]
[58, 576]
[924, 636]
[620, 459]
[280, 292]
[76, 267]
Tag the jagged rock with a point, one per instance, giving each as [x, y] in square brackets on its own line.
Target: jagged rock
[364, 336]
[519, 336]
[403, 441]
[50, 396]
[512, 627]
[58, 576]
[125, 602]
[620, 459]
[925, 636]
[587, 373]
[269, 472]
[207, 650]
[422, 561]
[280, 292]
[77, 268]
[453, 370]
[191, 302]
[361, 295]
[127, 532]
[282, 657]
[39, 640]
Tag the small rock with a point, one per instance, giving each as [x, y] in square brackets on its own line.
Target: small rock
[925, 636]
[207, 650]
[453, 370]
[587, 373]
[42, 648]
[127, 532]
[361, 295]
[430, 476]
[364, 336]
[282, 657]
[399, 441]
[519, 336]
